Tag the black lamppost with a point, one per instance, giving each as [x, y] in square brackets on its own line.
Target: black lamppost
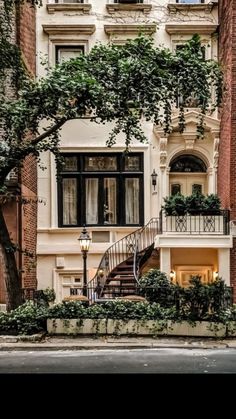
[84, 241]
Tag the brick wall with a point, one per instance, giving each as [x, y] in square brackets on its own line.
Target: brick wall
[227, 151]
[29, 221]
[233, 268]
[27, 42]
[22, 219]
[225, 56]
[26, 35]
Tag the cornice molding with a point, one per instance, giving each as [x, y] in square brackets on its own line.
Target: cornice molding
[180, 7]
[191, 28]
[55, 29]
[73, 7]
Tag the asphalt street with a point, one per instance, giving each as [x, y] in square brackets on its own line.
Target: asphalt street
[121, 361]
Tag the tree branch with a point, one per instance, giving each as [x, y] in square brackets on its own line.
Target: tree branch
[50, 131]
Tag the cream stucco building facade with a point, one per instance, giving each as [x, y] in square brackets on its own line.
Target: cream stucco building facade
[111, 194]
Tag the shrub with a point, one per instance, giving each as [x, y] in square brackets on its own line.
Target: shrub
[46, 296]
[212, 204]
[174, 205]
[195, 203]
[156, 287]
[26, 319]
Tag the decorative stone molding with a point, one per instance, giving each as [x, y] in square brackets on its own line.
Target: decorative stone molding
[55, 29]
[116, 7]
[130, 29]
[189, 144]
[180, 7]
[216, 152]
[73, 7]
[163, 152]
[183, 29]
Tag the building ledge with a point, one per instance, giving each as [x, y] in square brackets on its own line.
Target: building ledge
[55, 29]
[181, 29]
[171, 240]
[180, 7]
[73, 7]
[115, 7]
[130, 29]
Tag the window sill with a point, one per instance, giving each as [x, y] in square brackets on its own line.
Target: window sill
[114, 7]
[176, 7]
[77, 7]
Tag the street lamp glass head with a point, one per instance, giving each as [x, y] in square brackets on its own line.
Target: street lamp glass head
[84, 240]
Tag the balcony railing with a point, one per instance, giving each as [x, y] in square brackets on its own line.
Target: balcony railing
[203, 224]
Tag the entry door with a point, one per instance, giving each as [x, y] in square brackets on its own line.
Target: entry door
[186, 184]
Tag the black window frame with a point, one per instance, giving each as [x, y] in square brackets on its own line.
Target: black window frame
[120, 174]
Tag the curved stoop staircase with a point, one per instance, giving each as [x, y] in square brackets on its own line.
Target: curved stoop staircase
[121, 265]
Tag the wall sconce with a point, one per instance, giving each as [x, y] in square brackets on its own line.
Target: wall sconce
[154, 179]
[172, 275]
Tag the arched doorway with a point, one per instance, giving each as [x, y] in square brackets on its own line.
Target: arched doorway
[188, 174]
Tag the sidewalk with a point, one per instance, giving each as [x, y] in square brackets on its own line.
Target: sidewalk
[63, 343]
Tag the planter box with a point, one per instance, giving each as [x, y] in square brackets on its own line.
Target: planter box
[207, 329]
[76, 326]
[231, 329]
[138, 328]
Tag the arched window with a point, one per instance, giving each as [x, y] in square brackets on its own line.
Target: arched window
[187, 163]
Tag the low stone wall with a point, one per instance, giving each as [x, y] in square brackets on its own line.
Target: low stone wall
[138, 327]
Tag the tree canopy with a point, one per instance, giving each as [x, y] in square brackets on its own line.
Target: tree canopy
[111, 83]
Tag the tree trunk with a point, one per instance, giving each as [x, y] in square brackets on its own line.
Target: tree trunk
[13, 282]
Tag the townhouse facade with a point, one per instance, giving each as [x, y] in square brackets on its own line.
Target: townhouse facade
[22, 219]
[114, 194]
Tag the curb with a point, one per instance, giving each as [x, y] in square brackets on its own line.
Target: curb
[43, 342]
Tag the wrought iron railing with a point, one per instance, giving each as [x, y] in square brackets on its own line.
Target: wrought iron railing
[204, 223]
[129, 246]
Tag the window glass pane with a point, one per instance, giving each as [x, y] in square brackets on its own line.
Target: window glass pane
[175, 188]
[132, 201]
[69, 188]
[110, 204]
[105, 163]
[188, 163]
[91, 187]
[70, 164]
[132, 163]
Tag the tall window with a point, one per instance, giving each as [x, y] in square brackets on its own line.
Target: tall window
[101, 189]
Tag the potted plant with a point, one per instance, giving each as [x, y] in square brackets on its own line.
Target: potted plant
[174, 205]
[212, 205]
[195, 203]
